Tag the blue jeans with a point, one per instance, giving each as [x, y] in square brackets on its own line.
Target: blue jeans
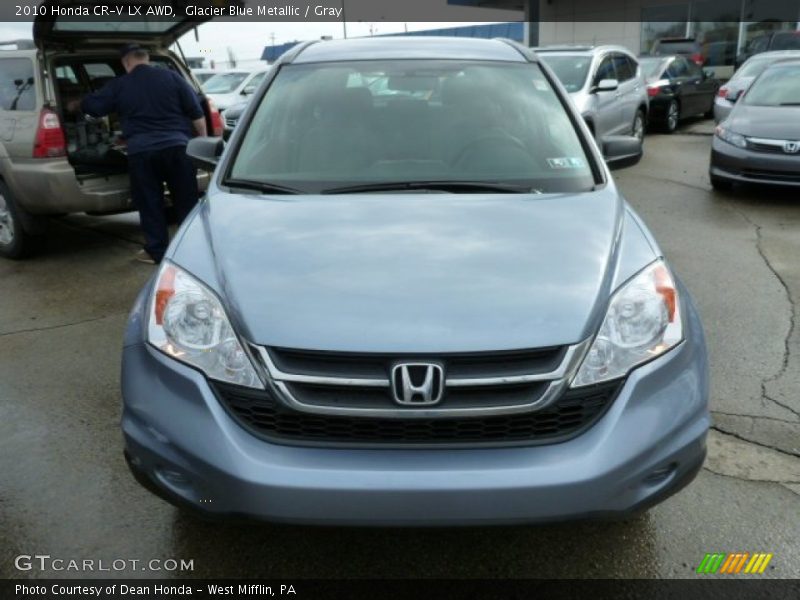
[149, 171]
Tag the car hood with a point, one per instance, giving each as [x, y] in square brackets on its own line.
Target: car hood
[411, 272]
[779, 122]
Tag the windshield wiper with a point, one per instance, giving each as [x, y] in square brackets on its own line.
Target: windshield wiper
[789, 104]
[463, 187]
[260, 186]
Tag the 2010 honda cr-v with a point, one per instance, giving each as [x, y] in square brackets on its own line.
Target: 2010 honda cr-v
[414, 295]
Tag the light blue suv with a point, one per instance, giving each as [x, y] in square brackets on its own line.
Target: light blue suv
[427, 306]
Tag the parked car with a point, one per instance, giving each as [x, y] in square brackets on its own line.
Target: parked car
[231, 117]
[202, 75]
[57, 163]
[229, 87]
[416, 310]
[678, 89]
[776, 40]
[606, 85]
[687, 47]
[741, 80]
[759, 142]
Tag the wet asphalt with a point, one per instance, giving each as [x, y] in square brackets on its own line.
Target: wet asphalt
[65, 490]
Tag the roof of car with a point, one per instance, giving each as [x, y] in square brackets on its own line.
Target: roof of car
[792, 62]
[579, 49]
[408, 47]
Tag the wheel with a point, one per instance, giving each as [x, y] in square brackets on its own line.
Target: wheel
[673, 116]
[721, 185]
[637, 129]
[15, 242]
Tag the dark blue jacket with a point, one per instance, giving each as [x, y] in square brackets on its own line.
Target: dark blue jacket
[156, 107]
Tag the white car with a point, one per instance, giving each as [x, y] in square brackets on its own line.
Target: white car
[230, 87]
[202, 74]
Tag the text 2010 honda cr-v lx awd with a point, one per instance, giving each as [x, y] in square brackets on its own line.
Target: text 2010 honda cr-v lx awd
[414, 295]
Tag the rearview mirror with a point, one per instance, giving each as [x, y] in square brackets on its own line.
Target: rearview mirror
[622, 151]
[205, 152]
[606, 85]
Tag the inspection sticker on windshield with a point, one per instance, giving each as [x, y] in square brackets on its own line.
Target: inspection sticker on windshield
[566, 162]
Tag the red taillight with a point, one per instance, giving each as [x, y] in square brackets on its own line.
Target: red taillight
[216, 119]
[723, 91]
[49, 141]
[698, 59]
[653, 90]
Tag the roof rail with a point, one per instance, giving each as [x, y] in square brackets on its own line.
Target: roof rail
[21, 44]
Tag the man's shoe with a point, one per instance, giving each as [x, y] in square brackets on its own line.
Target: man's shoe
[143, 257]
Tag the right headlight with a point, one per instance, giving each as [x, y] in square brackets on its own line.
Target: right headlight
[731, 137]
[643, 321]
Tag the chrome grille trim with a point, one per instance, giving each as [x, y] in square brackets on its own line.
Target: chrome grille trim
[559, 380]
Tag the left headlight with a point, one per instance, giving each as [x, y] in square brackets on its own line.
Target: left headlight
[731, 137]
[186, 321]
[642, 322]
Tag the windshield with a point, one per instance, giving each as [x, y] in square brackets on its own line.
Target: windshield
[778, 86]
[321, 127]
[224, 83]
[570, 70]
[652, 67]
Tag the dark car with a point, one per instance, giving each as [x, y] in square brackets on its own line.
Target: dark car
[678, 88]
[776, 40]
[759, 142]
[688, 47]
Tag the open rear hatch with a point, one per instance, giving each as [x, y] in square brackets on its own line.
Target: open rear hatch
[51, 30]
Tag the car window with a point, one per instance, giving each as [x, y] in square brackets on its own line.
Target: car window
[753, 67]
[789, 40]
[571, 70]
[758, 44]
[652, 68]
[224, 83]
[454, 121]
[623, 67]
[96, 70]
[255, 82]
[678, 68]
[605, 70]
[693, 70]
[66, 73]
[17, 89]
[777, 86]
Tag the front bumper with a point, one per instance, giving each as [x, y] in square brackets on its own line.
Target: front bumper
[742, 165]
[182, 444]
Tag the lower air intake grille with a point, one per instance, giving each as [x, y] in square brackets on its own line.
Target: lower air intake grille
[264, 415]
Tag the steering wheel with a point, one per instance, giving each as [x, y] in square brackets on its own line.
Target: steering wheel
[502, 139]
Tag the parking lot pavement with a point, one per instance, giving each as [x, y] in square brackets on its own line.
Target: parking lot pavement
[66, 491]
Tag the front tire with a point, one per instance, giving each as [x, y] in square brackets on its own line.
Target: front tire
[15, 242]
[637, 129]
[673, 116]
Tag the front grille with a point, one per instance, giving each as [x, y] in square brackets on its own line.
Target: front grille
[457, 365]
[264, 415]
[762, 147]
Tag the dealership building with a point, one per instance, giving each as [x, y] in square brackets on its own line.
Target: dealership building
[723, 28]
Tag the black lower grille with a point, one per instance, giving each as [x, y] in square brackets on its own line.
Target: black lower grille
[264, 415]
[787, 176]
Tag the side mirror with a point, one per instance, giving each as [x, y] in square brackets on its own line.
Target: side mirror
[205, 152]
[247, 91]
[734, 95]
[621, 151]
[606, 85]
[709, 73]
